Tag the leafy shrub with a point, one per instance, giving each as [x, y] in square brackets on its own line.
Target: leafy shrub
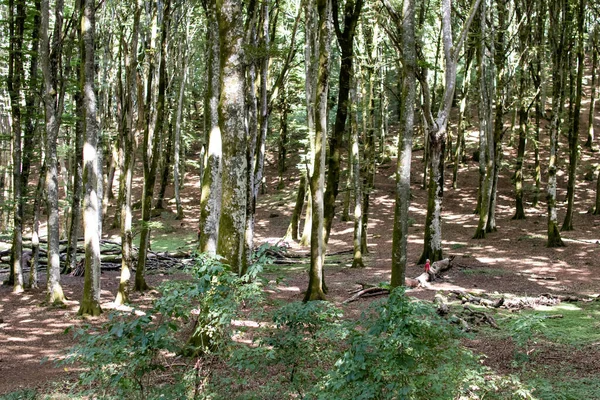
[301, 346]
[121, 356]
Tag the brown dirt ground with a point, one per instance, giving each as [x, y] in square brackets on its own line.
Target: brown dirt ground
[504, 262]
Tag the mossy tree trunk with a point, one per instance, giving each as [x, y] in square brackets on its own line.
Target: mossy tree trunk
[486, 126]
[232, 122]
[558, 12]
[589, 143]
[127, 141]
[316, 289]
[210, 203]
[152, 136]
[574, 128]
[357, 261]
[406, 24]
[50, 54]
[90, 304]
[432, 246]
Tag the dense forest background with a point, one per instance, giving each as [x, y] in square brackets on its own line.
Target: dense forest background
[216, 137]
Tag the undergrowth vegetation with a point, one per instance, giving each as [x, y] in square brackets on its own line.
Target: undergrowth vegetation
[215, 336]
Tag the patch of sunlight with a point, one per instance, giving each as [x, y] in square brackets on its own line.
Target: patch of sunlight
[26, 321]
[288, 288]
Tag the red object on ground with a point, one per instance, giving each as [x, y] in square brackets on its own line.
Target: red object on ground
[427, 266]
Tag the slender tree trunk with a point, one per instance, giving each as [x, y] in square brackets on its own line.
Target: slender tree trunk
[486, 129]
[574, 128]
[164, 177]
[178, 120]
[294, 227]
[345, 39]
[15, 79]
[49, 56]
[35, 231]
[460, 134]
[284, 109]
[316, 289]
[405, 139]
[126, 178]
[357, 260]
[432, 246]
[77, 168]
[90, 304]
[152, 137]
[590, 136]
[558, 20]
[305, 238]
[232, 123]
[210, 203]
[371, 44]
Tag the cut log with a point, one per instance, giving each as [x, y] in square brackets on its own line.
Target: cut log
[469, 298]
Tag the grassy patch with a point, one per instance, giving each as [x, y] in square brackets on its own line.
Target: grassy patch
[558, 389]
[580, 324]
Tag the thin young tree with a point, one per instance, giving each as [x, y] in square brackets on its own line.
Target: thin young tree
[405, 23]
[90, 304]
[210, 202]
[152, 136]
[127, 140]
[15, 80]
[345, 40]
[574, 128]
[559, 20]
[316, 289]
[50, 54]
[437, 131]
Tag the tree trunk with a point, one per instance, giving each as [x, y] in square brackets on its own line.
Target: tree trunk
[294, 227]
[432, 246]
[50, 57]
[345, 39]
[284, 110]
[232, 123]
[558, 21]
[594, 49]
[152, 137]
[461, 125]
[486, 129]
[210, 203]
[126, 178]
[177, 145]
[35, 230]
[316, 289]
[574, 128]
[15, 79]
[90, 304]
[357, 260]
[405, 141]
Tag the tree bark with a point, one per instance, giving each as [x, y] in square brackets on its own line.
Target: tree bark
[558, 21]
[233, 130]
[90, 304]
[126, 178]
[432, 246]
[210, 203]
[15, 79]
[50, 56]
[152, 137]
[345, 39]
[405, 142]
[316, 289]
[574, 128]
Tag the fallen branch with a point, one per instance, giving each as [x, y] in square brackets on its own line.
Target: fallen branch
[469, 298]
[369, 292]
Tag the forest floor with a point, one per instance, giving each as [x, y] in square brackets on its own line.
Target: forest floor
[514, 261]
